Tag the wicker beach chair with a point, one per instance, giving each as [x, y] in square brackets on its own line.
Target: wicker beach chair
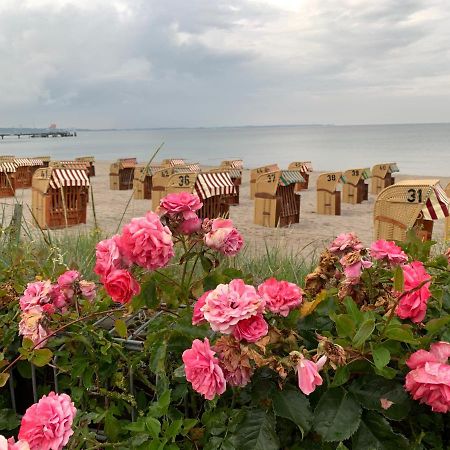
[121, 174]
[382, 177]
[234, 167]
[59, 196]
[255, 173]
[409, 204]
[305, 168]
[276, 202]
[328, 197]
[355, 190]
[7, 179]
[90, 160]
[25, 168]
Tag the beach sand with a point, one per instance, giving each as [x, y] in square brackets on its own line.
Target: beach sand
[310, 234]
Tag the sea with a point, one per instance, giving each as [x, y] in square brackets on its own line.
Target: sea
[418, 149]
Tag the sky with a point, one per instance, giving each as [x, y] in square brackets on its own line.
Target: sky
[190, 63]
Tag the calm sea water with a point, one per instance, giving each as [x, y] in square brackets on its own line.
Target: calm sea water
[418, 149]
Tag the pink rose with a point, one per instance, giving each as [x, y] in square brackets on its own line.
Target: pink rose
[344, 242]
[251, 329]
[308, 374]
[108, 257]
[197, 317]
[146, 242]
[414, 304]
[47, 425]
[37, 293]
[67, 281]
[30, 326]
[88, 289]
[58, 299]
[203, 371]
[190, 225]
[388, 251]
[429, 379]
[280, 296]
[224, 238]
[353, 271]
[121, 286]
[181, 202]
[226, 305]
[11, 445]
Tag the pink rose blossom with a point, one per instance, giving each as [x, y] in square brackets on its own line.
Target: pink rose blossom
[203, 371]
[389, 251]
[181, 202]
[11, 445]
[47, 425]
[190, 225]
[385, 403]
[429, 379]
[308, 374]
[226, 305]
[66, 282]
[414, 304]
[345, 242]
[30, 326]
[146, 242]
[224, 238]
[36, 293]
[280, 296]
[353, 271]
[108, 257]
[121, 286]
[88, 289]
[197, 317]
[58, 299]
[251, 329]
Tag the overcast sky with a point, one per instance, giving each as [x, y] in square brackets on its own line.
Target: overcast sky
[151, 63]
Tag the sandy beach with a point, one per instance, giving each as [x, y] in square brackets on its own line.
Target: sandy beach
[312, 231]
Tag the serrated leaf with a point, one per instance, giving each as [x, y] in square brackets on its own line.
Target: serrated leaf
[341, 376]
[402, 333]
[353, 310]
[434, 325]
[381, 356]
[375, 433]
[345, 325]
[293, 405]
[257, 432]
[153, 426]
[173, 429]
[148, 295]
[364, 332]
[337, 415]
[41, 357]
[370, 389]
[121, 328]
[399, 279]
[8, 419]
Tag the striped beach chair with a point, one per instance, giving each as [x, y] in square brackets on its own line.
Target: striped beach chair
[355, 190]
[7, 179]
[305, 168]
[382, 177]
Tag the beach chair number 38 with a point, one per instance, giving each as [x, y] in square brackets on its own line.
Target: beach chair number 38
[414, 195]
[183, 180]
[331, 177]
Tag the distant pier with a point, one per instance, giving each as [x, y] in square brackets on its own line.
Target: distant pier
[40, 134]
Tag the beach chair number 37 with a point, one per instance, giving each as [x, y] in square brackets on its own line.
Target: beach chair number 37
[270, 177]
[414, 195]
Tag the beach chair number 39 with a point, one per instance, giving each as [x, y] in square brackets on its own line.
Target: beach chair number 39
[414, 195]
[183, 180]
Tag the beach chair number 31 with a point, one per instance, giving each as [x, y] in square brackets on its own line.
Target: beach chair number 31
[184, 180]
[414, 195]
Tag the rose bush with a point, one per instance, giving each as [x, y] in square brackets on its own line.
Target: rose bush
[175, 347]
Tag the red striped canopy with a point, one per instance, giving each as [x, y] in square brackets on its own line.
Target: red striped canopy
[437, 205]
[177, 162]
[214, 183]
[6, 166]
[68, 177]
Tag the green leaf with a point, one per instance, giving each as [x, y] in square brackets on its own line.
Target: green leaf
[121, 328]
[9, 420]
[112, 426]
[370, 389]
[27, 344]
[381, 356]
[345, 325]
[353, 310]
[41, 357]
[399, 282]
[386, 372]
[4, 377]
[148, 295]
[375, 433]
[402, 333]
[257, 432]
[291, 404]
[153, 426]
[337, 415]
[341, 376]
[173, 429]
[364, 332]
[435, 325]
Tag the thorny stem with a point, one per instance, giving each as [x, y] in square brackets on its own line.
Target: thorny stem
[58, 330]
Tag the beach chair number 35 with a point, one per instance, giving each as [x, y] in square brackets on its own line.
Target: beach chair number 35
[414, 195]
[183, 180]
